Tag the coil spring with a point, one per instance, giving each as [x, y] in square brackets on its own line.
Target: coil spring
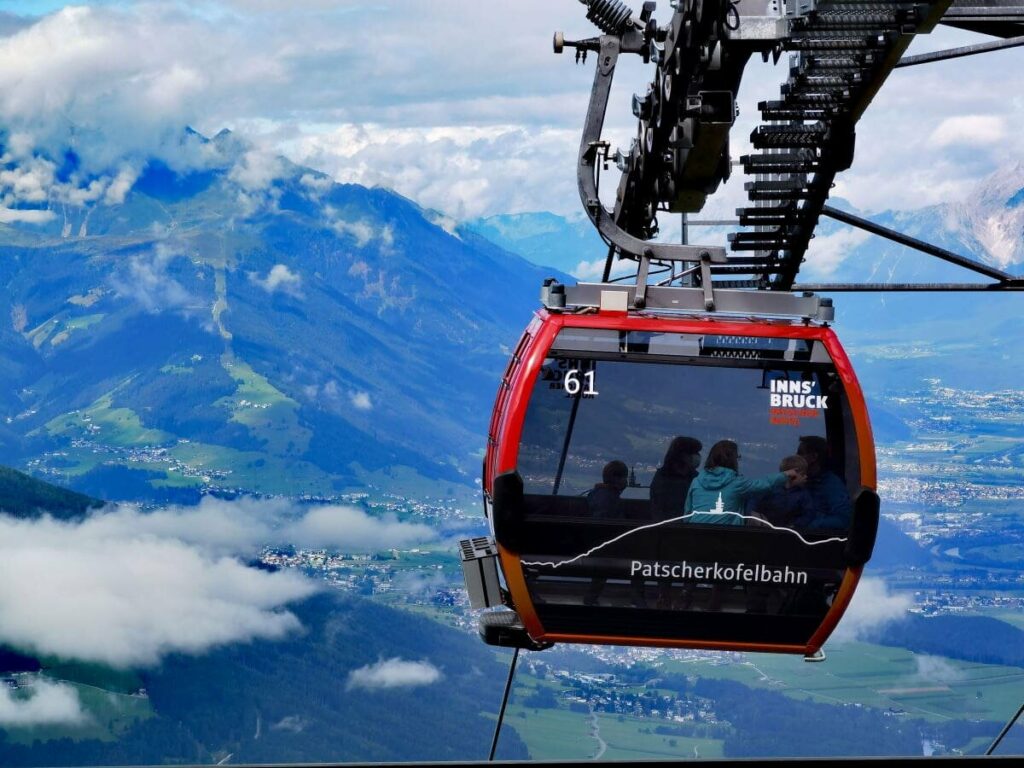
[610, 16]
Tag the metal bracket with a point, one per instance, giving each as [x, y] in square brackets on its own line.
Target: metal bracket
[726, 301]
[706, 284]
[590, 160]
[640, 299]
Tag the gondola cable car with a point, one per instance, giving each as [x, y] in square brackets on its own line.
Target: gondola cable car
[591, 557]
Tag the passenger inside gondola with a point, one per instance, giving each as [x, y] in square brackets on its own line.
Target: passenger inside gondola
[603, 498]
[673, 478]
[603, 503]
[791, 504]
[669, 487]
[830, 497]
[719, 494]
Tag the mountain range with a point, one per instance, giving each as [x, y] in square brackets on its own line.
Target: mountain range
[252, 326]
[567, 244]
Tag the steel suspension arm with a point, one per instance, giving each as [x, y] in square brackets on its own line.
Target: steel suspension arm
[912, 242]
[593, 154]
[957, 53]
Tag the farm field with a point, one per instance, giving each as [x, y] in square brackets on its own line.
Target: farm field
[108, 714]
[894, 679]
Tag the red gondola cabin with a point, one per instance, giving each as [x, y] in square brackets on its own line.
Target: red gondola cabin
[609, 525]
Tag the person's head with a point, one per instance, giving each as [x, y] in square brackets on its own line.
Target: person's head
[683, 454]
[814, 450]
[724, 453]
[797, 464]
[615, 474]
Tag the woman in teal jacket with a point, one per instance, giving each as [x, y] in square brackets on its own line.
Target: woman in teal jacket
[720, 489]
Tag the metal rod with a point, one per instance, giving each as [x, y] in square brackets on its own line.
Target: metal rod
[956, 53]
[568, 440]
[1014, 285]
[714, 223]
[998, 10]
[1006, 730]
[606, 275]
[920, 245]
[504, 703]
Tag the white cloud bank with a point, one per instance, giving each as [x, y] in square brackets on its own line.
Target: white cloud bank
[970, 130]
[279, 278]
[97, 592]
[147, 280]
[43, 703]
[935, 669]
[351, 530]
[444, 122]
[361, 401]
[828, 252]
[393, 673]
[873, 607]
[126, 588]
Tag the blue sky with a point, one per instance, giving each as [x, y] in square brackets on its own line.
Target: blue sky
[459, 104]
[30, 7]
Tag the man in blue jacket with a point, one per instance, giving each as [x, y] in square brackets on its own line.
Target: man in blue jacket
[832, 507]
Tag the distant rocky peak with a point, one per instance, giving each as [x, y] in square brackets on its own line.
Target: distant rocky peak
[992, 217]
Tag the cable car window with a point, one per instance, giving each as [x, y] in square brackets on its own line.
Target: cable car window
[587, 413]
[687, 473]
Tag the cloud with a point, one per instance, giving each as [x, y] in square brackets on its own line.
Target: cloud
[290, 723]
[420, 583]
[594, 270]
[318, 184]
[361, 401]
[126, 588]
[280, 278]
[42, 703]
[464, 170]
[393, 673]
[348, 529]
[147, 281]
[935, 669]
[121, 590]
[218, 527]
[241, 527]
[589, 270]
[827, 253]
[972, 130]
[256, 170]
[362, 231]
[121, 185]
[119, 82]
[463, 129]
[873, 607]
[13, 215]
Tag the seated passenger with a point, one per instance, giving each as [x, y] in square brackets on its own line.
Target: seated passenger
[718, 495]
[672, 480]
[669, 487]
[790, 504]
[603, 498]
[832, 507]
[602, 501]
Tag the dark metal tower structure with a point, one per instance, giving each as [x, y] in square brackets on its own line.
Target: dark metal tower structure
[839, 54]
